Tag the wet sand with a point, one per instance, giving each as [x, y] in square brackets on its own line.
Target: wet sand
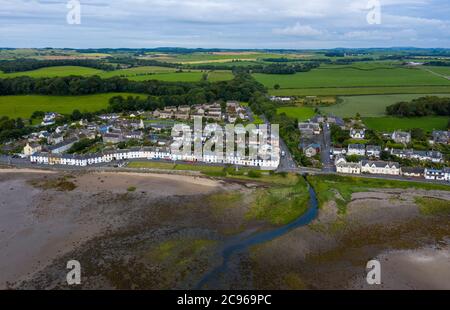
[332, 252]
[37, 225]
[420, 269]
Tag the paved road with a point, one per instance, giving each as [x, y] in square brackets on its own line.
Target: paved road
[24, 163]
[326, 149]
[287, 162]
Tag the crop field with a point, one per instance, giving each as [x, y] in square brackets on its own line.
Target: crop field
[135, 74]
[349, 81]
[198, 58]
[369, 106]
[24, 106]
[428, 123]
[356, 91]
[217, 76]
[440, 70]
[300, 113]
[54, 72]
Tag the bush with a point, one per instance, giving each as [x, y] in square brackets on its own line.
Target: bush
[254, 174]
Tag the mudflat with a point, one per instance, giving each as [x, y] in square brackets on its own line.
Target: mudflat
[40, 221]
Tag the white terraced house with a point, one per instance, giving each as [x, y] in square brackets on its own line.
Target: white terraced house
[437, 174]
[342, 166]
[380, 167]
[148, 154]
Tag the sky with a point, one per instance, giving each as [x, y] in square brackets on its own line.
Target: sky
[244, 24]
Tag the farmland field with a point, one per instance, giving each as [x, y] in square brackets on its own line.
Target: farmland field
[300, 113]
[350, 91]
[198, 58]
[24, 106]
[369, 106]
[217, 76]
[54, 72]
[135, 74]
[440, 70]
[428, 123]
[345, 80]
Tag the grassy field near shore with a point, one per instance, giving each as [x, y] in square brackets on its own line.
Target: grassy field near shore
[280, 205]
[24, 106]
[340, 188]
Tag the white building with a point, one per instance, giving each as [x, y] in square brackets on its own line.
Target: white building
[342, 166]
[373, 151]
[436, 174]
[357, 133]
[380, 167]
[356, 149]
[401, 137]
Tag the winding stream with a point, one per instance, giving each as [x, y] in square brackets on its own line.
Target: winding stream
[239, 245]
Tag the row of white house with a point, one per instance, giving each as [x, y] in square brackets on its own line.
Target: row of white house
[367, 166]
[147, 154]
[389, 168]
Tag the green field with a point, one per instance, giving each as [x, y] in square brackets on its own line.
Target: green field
[369, 106]
[300, 113]
[428, 123]
[24, 106]
[54, 72]
[441, 70]
[330, 187]
[353, 91]
[195, 58]
[135, 74]
[346, 80]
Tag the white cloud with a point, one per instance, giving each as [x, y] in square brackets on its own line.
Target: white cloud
[224, 23]
[298, 30]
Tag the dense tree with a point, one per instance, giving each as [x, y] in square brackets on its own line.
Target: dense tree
[423, 106]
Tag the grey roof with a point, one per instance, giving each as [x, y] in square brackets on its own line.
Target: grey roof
[357, 146]
[63, 144]
[380, 164]
[413, 169]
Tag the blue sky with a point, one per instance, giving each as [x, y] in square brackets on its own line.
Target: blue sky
[225, 24]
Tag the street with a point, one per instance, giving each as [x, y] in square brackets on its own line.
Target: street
[328, 165]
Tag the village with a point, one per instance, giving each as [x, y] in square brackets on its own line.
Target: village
[137, 135]
[350, 149]
[332, 144]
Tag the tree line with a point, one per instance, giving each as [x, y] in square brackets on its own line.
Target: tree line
[424, 106]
